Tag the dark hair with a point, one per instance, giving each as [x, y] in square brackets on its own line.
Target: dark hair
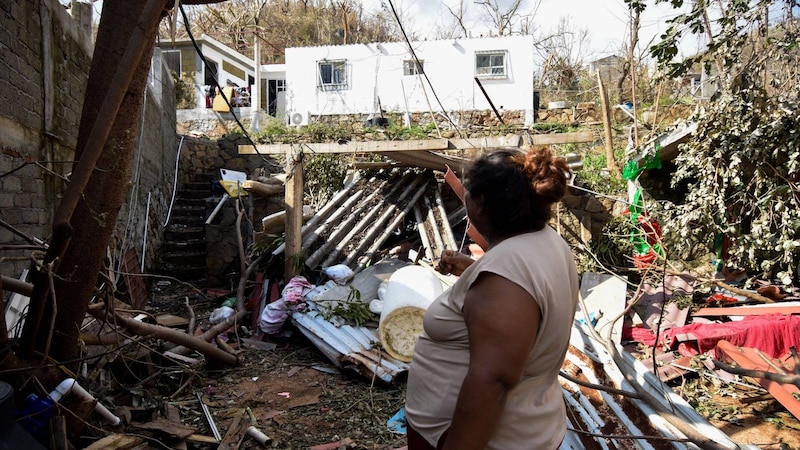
[518, 188]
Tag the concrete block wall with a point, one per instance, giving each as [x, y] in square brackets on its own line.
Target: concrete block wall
[44, 64]
[153, 170]
[45, 55]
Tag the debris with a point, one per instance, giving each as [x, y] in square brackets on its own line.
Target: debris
[116, 442]
[166, 427]
[338, 445]
[397, 423]
[209, 418]
[747, 359]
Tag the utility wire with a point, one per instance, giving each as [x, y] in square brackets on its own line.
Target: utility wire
[417, 62]
[221, 92]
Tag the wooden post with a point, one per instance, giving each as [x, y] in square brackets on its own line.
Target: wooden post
[294, 213]
[611, 162]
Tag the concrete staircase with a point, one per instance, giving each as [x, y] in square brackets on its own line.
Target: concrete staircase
[183, 251]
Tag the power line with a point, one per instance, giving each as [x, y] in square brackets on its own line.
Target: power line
[221, 91]
[419, 64]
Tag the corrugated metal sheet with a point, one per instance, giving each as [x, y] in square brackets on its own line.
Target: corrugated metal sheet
[355, 348]
[609, 417]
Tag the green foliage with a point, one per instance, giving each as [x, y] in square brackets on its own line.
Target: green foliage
[614, 246]
[551, 127]
[324, 175]
[412, 132]
[184, 91]
[596, 176]
[351, 309]
[742, 169]
[275, 130]
[742, 166]
[323, 132]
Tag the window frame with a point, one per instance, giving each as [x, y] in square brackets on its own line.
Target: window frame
[338, 78]
[412, 67]
[164, 54]
[489, 71]
[210, 79]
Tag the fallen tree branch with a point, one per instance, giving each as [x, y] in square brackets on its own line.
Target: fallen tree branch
[745, 293]
[772, 376]
[167, 334]
[192, 317]
[691, 433]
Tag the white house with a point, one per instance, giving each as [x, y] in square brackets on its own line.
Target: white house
[367, 78]
[225, 64]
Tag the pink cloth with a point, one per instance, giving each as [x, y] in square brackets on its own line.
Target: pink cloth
[773, 334]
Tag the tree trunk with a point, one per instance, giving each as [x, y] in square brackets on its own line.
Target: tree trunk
[92, 221]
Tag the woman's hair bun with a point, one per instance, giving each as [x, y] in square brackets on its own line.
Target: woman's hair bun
[547, 174]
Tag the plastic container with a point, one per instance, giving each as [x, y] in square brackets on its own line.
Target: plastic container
[409, 292]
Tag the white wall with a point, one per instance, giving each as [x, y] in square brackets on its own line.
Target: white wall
[214, 55]
[376, 71]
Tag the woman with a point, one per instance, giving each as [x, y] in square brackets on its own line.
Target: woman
[484, 374]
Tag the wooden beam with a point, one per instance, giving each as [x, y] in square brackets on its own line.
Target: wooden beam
[348, 147]
[294, 214]
[562, 138]
[513, 140]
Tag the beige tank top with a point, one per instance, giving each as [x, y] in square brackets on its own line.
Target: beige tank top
[535, 416]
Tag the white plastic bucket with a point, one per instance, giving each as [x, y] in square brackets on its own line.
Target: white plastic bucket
[409, 292]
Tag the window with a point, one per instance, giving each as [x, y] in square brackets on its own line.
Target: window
[280, 85]
[210, 73]
[491, 64]
[173, 60]
[332, 73]
[411, 67]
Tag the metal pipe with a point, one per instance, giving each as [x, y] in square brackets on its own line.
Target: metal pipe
[209, 418]
[146, 223]
[496, 113]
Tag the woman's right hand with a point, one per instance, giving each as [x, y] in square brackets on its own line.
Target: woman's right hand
[454, 262]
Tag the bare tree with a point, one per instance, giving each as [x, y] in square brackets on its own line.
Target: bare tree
[458, 26]
[502, 19]
[563, 51]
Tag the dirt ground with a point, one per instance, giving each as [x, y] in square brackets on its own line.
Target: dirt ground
[299, 404]
[301, 400]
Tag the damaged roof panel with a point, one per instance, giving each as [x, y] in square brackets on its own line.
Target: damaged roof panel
[349, 346]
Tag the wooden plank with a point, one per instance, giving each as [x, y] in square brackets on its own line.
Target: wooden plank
[171, 320]
[562, 138]
[294, 216]
[134, 279]
[347, 147]
[513, 140]
[116, 442]
[754, 310]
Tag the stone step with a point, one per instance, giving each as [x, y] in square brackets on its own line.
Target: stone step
[192, 245]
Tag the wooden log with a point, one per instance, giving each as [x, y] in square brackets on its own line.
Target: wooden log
[263, 189]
